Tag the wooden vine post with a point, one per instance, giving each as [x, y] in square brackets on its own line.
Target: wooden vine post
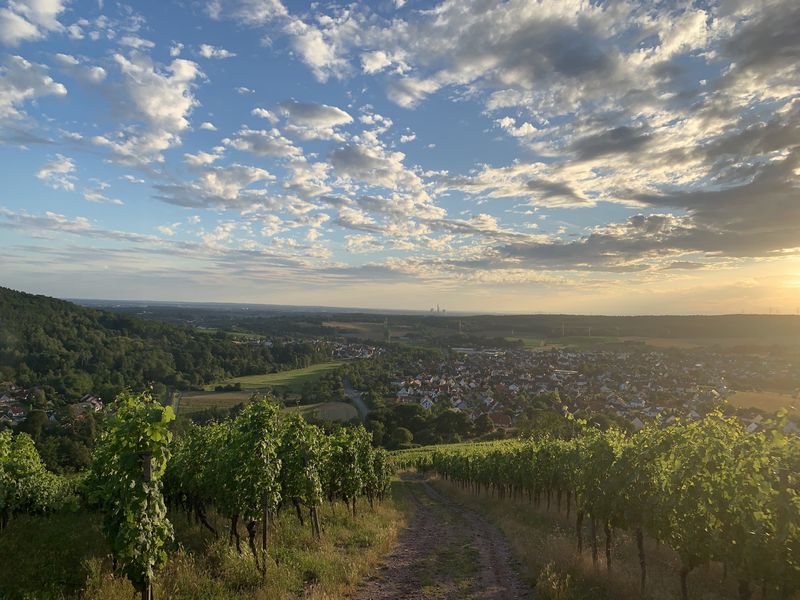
[147, 477]
[264, 536]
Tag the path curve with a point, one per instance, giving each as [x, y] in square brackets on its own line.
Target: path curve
[356, 398]
[447, 552]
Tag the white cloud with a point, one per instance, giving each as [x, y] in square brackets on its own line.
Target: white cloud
[262, 142]
[24, 20]
[58, 173]
[98, 197]
[92, 75]
[218, 187]
[360, 243]
[206, 125]
[209, 51]
[136, 42]
[263, 113]
[510, 126]
[201, 159]
[169, 230]
[175, 49]
[408, 137]
[318, 52]
[248, 12]
[22, 81]
[314, 121]
[161, 98]
[244, 90]
[374, 61]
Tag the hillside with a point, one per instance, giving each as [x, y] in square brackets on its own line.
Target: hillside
[70, 350]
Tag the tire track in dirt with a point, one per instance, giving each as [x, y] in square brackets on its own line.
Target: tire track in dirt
[446, 552]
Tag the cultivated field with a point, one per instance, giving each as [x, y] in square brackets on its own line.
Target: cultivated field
[766, 401]
[329, 411]
[570, 340]
[722, 342]
[292, 380]
[195, 401]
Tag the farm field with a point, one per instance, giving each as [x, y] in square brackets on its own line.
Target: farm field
[370, 331]
[330, 411]
[766, 401]
[658, 342]
[570, 340]
[292, 380]
[195, 401]
[723, 342]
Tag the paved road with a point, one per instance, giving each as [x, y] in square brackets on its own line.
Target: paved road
[354, 396]
[447, 552]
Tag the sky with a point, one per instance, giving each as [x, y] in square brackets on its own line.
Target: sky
[523, 156]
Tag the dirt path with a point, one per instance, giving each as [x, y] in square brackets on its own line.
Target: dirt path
[447, 552]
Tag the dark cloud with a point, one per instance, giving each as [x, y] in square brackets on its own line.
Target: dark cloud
[552, 189]
[768, 41]
[620, 140]
[684, 265]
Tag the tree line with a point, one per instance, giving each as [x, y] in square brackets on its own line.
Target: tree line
[67, 351]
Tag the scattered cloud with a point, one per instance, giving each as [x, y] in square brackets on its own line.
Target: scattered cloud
[59, 173]
[28, 20]
[209, 51]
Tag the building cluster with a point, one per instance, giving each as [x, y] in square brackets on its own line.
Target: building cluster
[635, 385]
[349, 351]
[17, 402]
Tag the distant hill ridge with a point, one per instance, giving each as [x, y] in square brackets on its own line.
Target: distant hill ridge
[71, 350]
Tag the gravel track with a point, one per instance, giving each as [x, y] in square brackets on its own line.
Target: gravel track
[446, 552]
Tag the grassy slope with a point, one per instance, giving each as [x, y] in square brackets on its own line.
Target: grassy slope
[544, 543]
[65, 556]
[293, 380]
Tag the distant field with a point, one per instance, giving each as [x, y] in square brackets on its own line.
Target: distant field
[196, 401]
[766, 401]
[659, 342]
[331, 411]
[292, 380]
[371, 331]
[570, 340]
[725, 342]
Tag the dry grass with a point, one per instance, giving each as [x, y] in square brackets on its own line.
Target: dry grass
[201, 567]
[544, 543]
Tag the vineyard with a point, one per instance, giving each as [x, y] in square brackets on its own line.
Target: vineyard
[707, 489]
[245, 469]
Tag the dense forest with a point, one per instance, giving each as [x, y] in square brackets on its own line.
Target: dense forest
[69, 350]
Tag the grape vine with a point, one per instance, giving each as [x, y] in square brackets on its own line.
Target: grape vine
[708, 489]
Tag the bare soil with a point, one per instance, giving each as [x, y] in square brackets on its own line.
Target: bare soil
[447, 552]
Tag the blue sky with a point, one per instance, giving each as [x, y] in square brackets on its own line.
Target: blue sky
[569, 156]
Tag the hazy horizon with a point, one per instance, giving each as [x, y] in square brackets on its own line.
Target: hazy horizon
[537, 157]
[445, 311]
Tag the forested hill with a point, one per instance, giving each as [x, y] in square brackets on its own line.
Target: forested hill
[71, 350]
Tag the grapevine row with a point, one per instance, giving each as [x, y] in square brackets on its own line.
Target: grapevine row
[245, 469]
[708, 489]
